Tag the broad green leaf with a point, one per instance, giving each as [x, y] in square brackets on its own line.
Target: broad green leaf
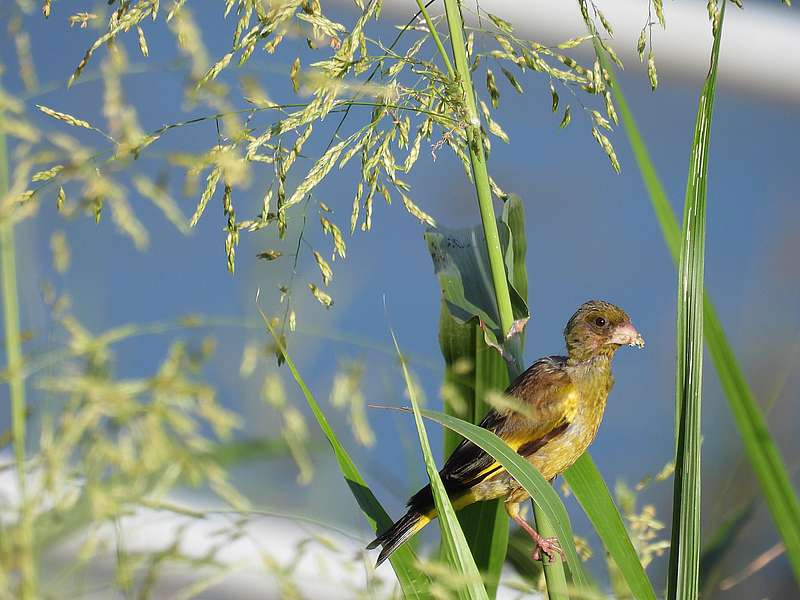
[762, 452]
[472, 369]
[461, 263]
[542, 493]
[591, 492]
[684, 556]
[459, 555]
[413, 582]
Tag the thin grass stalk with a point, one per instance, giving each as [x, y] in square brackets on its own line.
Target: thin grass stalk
[436, 39]
[554, 574]
[494, 528]
[480, 172]
[458, 552]
[16, 382]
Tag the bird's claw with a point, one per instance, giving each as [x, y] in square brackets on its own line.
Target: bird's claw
[548, 547]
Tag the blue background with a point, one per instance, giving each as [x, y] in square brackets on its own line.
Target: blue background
[591, 234]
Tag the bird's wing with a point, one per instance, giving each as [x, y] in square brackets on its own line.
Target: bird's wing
[546, 394]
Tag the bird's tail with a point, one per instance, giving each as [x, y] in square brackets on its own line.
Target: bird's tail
[391, 539]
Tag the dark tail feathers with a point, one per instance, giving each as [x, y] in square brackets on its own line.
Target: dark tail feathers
[398, 533]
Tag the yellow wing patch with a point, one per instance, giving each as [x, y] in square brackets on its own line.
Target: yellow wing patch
[515, 444]
[570, 407]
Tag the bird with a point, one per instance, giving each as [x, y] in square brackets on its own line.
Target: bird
[560, 402]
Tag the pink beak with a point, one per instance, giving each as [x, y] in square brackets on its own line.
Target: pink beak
[626, 335]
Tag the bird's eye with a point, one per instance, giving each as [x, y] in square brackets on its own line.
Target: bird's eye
[600, 322]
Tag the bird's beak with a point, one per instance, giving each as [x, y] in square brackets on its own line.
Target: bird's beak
[626, 335]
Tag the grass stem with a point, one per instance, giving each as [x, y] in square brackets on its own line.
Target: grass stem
[555, 573]
[480, 172]
[436, 39]
[16, 382]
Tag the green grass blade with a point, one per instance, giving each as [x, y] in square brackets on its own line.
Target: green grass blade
[485, 524]
[592, 493]
[414, 583]
[526, 474]
[766, 460]
[458, 551]
[485, 527]
[684, 556]
[762, 452]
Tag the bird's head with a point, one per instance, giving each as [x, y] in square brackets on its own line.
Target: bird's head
[599, 328]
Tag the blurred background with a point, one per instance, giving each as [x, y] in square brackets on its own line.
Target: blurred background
[591, 234]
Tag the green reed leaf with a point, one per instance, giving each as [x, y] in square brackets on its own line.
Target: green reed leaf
[592, 493]
[684, 558]
[542, 493]
[413, 582]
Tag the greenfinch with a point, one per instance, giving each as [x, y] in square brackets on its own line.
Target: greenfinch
[561, 402]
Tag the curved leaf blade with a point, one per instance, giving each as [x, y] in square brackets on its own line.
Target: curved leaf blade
[541, 491]
[413, 582]
[461, 263]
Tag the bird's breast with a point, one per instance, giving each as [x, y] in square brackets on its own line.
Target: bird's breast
[584, 416]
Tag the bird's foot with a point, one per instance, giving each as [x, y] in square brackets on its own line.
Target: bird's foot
[550, 546]
[547, 547]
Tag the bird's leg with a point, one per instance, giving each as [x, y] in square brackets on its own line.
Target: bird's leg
[549, 546]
